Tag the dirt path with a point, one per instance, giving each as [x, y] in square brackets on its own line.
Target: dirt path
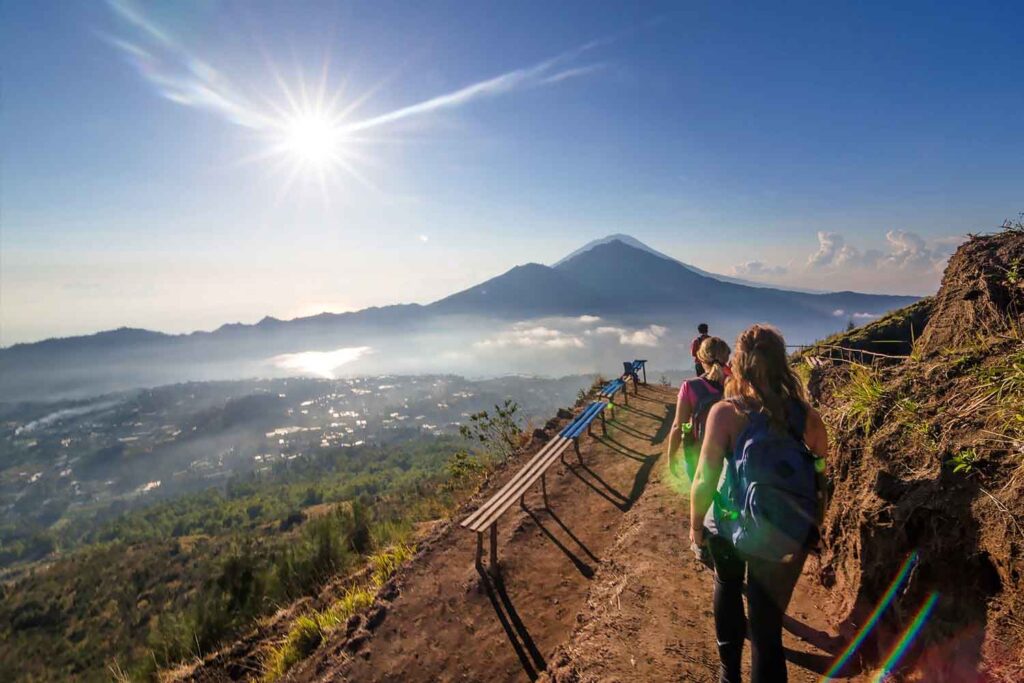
[648, 615]
[600, 586]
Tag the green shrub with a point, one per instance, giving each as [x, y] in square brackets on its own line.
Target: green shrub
[389, 532]
[497, 433]
[964, 461]
[462, 467]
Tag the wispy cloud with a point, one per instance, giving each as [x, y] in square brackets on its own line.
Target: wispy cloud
[183, 78]
[177, 74]
[519, 79]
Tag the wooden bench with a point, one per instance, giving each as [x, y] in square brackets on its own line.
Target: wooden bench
[486, 516]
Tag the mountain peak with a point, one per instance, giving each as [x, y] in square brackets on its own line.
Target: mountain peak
[628, 240]
[633, 242]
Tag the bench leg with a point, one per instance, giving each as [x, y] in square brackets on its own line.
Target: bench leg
[576, 447]
[494, 550]
[604, 426]
[644, 368]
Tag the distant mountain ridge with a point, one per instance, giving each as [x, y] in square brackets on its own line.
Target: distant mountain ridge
[612, 276]
[568, 285]
[621, 281]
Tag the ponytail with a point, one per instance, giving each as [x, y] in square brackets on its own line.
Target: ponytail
[713, 354]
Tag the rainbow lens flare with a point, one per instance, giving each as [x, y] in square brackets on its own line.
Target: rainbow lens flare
[906, 638]
[884, 603]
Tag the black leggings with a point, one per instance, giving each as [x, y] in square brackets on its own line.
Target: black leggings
[769, 589]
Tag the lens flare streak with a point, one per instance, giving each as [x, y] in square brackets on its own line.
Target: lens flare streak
[876, 614]
[906, 638]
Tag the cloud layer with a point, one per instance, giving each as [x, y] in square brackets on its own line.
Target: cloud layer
[905, 250]
[570, 333]
[758, 269]
[908, 263]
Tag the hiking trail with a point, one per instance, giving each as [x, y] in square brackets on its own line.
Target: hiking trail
[601, 586]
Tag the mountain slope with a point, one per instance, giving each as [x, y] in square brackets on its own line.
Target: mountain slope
[630, 278]
[524, 291]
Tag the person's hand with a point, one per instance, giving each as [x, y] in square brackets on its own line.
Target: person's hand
[697, 536]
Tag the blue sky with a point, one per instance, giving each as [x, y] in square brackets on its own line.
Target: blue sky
[816, 145]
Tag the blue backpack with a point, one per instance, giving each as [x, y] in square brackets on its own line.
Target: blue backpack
[770, 479]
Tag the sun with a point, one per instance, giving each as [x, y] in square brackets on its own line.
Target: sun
[312, 138]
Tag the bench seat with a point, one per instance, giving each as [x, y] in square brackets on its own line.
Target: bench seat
[612, 388]
[486, 516]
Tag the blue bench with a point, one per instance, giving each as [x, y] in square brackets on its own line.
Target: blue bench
[609, 390]
[632, 369]
[486, 516]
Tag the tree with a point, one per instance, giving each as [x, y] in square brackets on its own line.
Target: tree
[497, 433]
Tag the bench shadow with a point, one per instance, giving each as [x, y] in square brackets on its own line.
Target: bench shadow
[620, 447]
[609, 492]
[643, 475]
[606, 490]
[632, 431]
[582, 567]
[518, 636]
[665, 427]
[639, 411]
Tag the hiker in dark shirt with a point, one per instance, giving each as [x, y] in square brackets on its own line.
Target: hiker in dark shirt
[702, 334]
[762, 431]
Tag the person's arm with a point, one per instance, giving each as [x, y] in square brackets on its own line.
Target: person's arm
[675, 437]
[717, 436]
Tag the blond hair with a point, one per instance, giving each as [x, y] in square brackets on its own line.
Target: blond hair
[713, 355]
[761, 373]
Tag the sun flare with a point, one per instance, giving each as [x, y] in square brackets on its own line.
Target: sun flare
[312, 139]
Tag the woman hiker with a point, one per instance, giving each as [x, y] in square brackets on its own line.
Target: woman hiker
[765, 435]
[696, 396]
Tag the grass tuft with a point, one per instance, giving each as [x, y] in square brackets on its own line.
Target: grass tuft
[387, 562]
[861, 396]
[310, 630]
[1005, 380]
[303, 638]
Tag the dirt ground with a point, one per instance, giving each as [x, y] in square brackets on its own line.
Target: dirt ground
[599, 586]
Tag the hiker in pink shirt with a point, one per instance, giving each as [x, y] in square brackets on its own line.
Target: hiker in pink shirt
[696, 396]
